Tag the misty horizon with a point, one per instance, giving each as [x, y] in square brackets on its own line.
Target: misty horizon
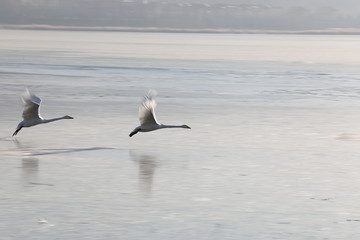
[239, 15]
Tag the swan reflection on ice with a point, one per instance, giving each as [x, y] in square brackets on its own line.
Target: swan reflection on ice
[29, 163]
[147, 165]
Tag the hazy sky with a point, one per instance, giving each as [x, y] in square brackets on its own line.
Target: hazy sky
[254, 14]
[348, 6]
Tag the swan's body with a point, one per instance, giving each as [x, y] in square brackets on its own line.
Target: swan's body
[147, 117]
[31, 113]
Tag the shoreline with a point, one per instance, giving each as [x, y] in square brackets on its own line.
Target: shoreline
[331, 31]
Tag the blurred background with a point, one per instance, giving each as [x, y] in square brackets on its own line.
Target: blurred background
[171, 15]
[273, 152]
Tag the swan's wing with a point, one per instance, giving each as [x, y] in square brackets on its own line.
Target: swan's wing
[31, 106]
[147, 110]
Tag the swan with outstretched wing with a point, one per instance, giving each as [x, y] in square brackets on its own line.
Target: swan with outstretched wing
[147, 116]
[31, 114]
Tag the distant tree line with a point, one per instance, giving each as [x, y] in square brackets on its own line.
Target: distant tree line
[127, 13]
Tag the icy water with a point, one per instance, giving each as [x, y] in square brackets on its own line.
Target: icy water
[273, 152]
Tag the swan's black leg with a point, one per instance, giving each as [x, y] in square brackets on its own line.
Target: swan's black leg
[134, 132]
[17, 130]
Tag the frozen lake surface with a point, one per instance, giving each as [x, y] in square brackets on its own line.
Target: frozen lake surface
[273, 152]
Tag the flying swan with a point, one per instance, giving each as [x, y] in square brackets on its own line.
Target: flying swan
[147, 116]
[31, 113]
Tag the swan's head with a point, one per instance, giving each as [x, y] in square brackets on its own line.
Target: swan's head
[68, 117]
[185, 126]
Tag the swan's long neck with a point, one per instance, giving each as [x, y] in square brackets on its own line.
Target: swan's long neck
[171, 126]
[52, 119]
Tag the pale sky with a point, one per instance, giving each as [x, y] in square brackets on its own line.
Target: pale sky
[267, 14]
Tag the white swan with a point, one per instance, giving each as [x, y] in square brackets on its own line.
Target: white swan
[31, 113]
[147, 116]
